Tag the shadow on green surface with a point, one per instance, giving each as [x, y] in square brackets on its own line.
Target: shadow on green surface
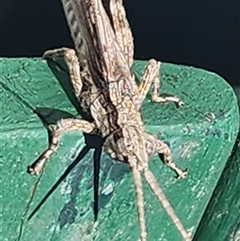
[195, 142]
[50, 116]
[60, 71]
[68, 213]
[91, 142]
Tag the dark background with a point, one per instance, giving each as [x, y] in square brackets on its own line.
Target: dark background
[201, 33]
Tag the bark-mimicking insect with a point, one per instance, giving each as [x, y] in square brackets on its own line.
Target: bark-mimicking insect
[100, 72]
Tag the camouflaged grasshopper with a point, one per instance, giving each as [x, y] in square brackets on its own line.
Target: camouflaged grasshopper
[100, 72]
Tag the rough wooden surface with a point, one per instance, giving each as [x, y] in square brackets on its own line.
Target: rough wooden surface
[201, 136]
[221, 220]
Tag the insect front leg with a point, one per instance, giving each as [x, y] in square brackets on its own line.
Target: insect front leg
[63, 126]
[156, 146]
[151, 78]
[164, 151]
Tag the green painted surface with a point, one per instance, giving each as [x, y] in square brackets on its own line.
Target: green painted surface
[201, 136]
[237, 91]
[221, 220]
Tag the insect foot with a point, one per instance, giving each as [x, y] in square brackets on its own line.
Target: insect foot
[36, 167]
[182, 174]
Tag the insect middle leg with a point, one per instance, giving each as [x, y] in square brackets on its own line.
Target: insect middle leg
[151, 78]
[63, 126]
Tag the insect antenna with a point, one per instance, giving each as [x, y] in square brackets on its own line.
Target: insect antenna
[140, 199]
[152, 182]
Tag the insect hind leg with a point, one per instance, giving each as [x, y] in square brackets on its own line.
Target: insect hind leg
[71, 60]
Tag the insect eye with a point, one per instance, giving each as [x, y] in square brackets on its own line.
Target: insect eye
[129, 147]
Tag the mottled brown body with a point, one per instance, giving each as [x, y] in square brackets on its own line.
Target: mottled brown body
[100, 71]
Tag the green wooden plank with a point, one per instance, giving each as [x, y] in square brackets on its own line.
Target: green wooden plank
[221, 220]
[201, 136]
